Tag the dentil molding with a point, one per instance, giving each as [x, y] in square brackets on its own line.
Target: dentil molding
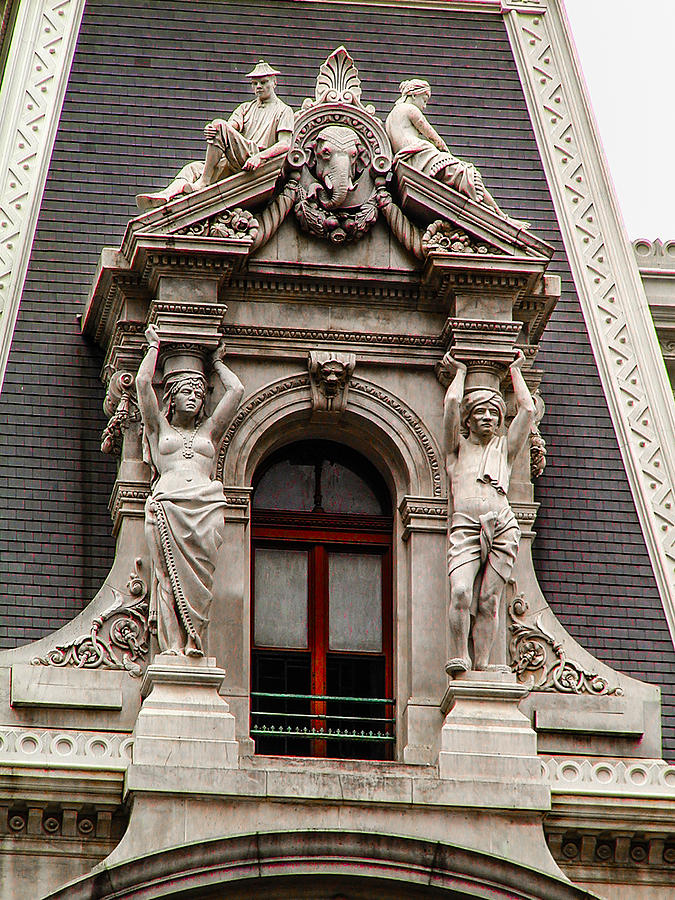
[34, 85]
[608, 284]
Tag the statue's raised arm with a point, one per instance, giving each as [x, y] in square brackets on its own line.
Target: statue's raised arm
[416, 142]
[256, 130]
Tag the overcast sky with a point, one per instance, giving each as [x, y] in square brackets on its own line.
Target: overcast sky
[627, 52]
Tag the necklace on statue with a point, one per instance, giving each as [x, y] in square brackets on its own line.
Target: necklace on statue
[188, 452]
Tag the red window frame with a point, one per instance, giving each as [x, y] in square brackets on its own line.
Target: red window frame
[321, 533]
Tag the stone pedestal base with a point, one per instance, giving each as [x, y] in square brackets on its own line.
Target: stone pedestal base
[485, 737]
[184, 721]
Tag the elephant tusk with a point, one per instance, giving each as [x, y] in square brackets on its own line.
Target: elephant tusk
[328, 183]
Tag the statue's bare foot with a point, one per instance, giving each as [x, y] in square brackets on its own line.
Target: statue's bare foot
[193, 651]
[517, 223]
[150, 201]
[456, 665]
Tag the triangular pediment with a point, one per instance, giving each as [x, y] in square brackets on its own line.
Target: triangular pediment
[426, 200]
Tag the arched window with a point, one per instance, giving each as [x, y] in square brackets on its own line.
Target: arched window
[321, 605]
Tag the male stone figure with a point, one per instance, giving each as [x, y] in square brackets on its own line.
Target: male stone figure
[256, 130]
[484, 533]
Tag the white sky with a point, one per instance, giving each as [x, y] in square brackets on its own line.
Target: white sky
[627, 52]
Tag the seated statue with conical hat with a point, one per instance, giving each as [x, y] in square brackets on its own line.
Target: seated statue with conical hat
[256, 131]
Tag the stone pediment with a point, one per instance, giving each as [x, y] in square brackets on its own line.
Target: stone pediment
[350, 207]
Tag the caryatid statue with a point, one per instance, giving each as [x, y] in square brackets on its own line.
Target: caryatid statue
[256, 130]
[184, 514]
[483, 533]
[418, 143]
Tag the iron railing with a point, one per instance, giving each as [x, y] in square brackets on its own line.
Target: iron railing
[321, 724]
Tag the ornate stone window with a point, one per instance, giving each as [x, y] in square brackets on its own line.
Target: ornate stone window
[321, 605]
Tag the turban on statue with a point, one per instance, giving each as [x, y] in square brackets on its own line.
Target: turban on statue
[480, 397]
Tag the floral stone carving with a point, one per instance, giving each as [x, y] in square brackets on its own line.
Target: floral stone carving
[118, 639]
[448, 238]
[232, 223]
[537, 653]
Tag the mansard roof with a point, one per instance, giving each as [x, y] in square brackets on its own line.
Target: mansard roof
[140, 91]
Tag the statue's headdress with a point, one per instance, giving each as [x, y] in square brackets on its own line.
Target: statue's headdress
[479, 397]
[262, 70]
[412, 87]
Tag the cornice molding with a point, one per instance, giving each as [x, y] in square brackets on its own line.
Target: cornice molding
[609, 287]
[33, 88]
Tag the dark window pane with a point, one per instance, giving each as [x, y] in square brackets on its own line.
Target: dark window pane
[286, 486]
[280, 673]
[345, 492]
[358, 677]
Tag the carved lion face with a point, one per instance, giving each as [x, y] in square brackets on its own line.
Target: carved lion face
[333, 375]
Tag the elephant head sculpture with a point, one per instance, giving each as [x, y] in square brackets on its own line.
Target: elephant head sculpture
[339, 158]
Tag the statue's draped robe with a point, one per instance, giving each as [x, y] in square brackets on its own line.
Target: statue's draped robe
[413, 148]
[492, 538]
[189, 526]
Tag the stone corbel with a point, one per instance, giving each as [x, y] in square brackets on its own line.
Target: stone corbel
[329, 375]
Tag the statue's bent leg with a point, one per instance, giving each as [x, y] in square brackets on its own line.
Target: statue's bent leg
[487, 617]
[462, 581]
[182, 183]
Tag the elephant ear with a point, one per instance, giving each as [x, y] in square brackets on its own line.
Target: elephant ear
[363, 159]
[310, 150]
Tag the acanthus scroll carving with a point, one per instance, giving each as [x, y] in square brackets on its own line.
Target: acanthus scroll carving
[118, 639]
[537, 654]
[329, 375]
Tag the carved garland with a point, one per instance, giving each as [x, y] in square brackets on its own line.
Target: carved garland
[534, 650]
[118, 639]
[337, 225]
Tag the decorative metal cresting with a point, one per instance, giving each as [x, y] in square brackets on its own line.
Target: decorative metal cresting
[536, 653]
[322, 717]
[118, 639]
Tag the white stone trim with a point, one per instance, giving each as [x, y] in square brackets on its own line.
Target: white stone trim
[34, 85]
[610, 290]
[64, 748]
[615, 777]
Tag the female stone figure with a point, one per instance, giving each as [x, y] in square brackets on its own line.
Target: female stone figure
[184, 514]
[415, 141]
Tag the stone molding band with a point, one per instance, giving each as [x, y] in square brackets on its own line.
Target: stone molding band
[610, 291]
[34, 85]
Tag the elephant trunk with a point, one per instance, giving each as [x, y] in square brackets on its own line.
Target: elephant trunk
[337, 180]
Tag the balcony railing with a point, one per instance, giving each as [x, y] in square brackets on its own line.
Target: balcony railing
[322, 717]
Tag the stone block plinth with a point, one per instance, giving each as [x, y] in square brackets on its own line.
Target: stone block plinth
[183, 720]
[485, 736]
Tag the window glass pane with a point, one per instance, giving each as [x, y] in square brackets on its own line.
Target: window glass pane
[286, 486]
[343, 491]
[355, 601]
[280, 598]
